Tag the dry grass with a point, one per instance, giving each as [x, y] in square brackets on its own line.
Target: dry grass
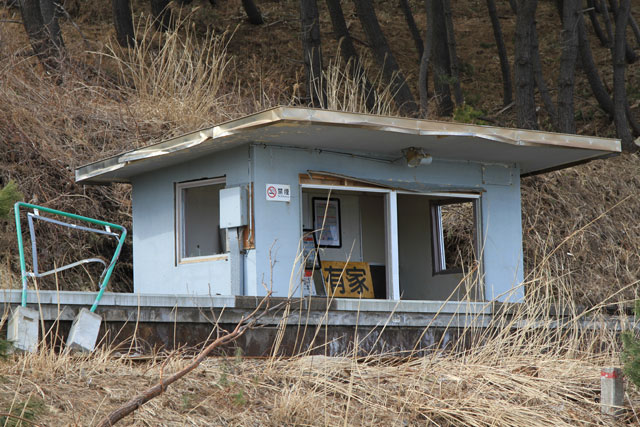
[176, 77]
[604, 256]
[535, 374]
[106, 104]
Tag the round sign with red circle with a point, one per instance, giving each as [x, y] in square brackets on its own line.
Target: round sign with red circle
[271, 192]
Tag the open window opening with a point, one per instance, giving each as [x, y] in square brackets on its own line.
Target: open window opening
[348, 230]
[198, 233]
[414, 245]
[437, 245]
[453, 235]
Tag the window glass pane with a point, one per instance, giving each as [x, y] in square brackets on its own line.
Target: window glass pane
[201, 220]
[457, 234]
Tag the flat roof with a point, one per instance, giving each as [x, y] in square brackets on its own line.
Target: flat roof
[378, 136]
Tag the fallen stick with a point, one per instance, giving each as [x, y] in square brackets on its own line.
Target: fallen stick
[129, 407]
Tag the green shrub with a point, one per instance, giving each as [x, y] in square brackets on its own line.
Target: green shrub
[631, 352]
[28, 410]
[9, 195]
[465, 113]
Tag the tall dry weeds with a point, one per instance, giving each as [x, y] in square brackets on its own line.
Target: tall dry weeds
[176, 77]
[526, 366]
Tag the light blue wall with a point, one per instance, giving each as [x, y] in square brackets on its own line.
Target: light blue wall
[502, 229]
[278, 224]
[154, 250]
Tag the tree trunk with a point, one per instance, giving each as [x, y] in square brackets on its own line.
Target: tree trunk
[413, 28]
[540, 82]
[48, 9]
[634, 26]
[42, 45]
[253, 13]
[348, 52]
[607, 20]
[523, 69]
[123, 21]
[441, 65]
[453, 55]
[161, 14]
[507, 88]
[311, 49]
[591, 71]
[619, 92]
[423, 78]
[593, 16]
[383, 55]
[566, 77]
[630, 55]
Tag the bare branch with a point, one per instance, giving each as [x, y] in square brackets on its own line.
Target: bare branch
[245, 324]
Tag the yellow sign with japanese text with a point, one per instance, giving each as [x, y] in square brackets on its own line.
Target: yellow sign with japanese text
[347, 279]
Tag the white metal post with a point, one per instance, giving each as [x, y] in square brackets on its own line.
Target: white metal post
[234, 236]
[391, 239]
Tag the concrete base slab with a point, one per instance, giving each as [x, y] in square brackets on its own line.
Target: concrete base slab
[84, 332]
[22, 329]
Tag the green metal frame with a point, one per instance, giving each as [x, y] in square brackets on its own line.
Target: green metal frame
[23, 268]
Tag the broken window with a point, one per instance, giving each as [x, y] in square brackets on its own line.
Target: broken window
[453, 224]
[198, 218]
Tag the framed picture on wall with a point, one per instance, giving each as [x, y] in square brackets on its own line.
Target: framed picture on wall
[326, 222]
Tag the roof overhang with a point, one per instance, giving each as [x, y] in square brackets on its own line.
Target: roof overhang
[377, 136]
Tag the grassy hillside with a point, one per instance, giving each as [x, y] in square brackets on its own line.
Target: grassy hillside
[580, 225]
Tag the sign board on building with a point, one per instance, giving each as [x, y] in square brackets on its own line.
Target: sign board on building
[348, 279]
[278, 192]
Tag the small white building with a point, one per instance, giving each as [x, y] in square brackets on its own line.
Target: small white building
[421, 204]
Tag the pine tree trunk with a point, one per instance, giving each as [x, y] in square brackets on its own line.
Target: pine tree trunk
[349, 53]
[252, 11]
[51, 24]
[42, 45]
[123, 22]
[630, 55]
[453, 55]
[607, 20]
[161, 14]
[619, 91]
[524, 76]
[593, 16]
[634, 27]
[441, 66]
[312, 53]
[423, 77]
[507, 88]
[566, 77]
[591, 71]
[413, 28]
[383, 55]
[540, 81]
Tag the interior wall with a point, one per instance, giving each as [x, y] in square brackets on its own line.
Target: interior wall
[414, 244]
[373, 228]
[201, 213]
[351, 246]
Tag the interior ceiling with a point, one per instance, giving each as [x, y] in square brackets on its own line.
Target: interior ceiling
[349, 138]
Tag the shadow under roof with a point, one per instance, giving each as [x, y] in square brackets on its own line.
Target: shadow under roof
[377, 136]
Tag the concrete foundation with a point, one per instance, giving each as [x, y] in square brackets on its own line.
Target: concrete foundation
[84, 332]
[22, 329]
[315, 325]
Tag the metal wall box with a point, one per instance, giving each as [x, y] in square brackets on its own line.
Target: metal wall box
[233, 207]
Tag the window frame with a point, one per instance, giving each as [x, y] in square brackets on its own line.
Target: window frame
[437, 235]
[180, 225]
